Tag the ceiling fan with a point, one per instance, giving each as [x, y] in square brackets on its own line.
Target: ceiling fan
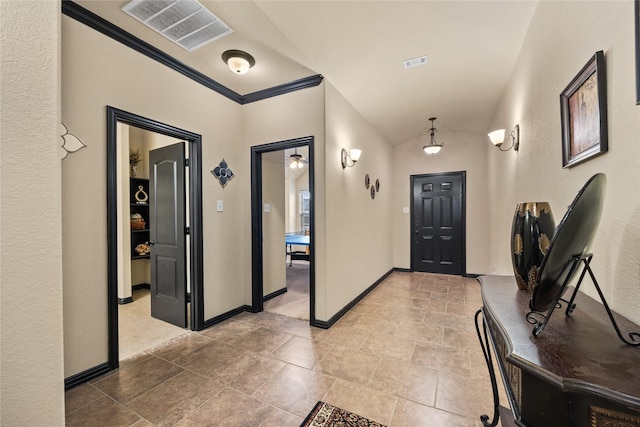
[296, 161]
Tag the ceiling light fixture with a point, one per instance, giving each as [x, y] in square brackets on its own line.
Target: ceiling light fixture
[238, 61]
[497, 138]
[433, 147]
[296, 160]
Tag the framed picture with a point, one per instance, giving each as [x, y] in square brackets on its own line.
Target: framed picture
[583, 106]
[636, 14]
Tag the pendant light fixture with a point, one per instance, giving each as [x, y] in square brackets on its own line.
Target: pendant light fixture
[296, 160]
[433, 147]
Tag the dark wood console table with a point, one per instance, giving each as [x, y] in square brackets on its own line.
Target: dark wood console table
[576, 373]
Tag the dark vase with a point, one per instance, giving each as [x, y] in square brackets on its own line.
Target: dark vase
[531, 232]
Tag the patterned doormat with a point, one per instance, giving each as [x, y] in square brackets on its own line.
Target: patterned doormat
[325, 415]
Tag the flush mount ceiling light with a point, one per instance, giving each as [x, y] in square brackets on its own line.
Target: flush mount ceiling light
[497, 138]
[433, 147]
[238, 61]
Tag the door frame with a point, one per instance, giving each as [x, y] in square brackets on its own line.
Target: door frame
[195, 268]
[463, 176]
[257, 256]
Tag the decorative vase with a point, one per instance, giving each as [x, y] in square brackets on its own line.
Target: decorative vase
[531, 232]
[134, 171]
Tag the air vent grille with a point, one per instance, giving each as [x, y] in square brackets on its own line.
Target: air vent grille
[414, 62]
[185, 22]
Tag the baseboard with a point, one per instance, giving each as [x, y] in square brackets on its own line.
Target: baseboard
[328, 323]
[88, 375]
[408, 270]
[140, 286]
[126, 300]
[274, 294]
[229, 314]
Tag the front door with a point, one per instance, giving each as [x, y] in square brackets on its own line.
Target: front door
[167, 234]
[438, 236]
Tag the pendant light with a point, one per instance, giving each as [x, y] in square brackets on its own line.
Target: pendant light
[433, 147]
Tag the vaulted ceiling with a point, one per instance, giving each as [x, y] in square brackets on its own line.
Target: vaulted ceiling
[359, 47]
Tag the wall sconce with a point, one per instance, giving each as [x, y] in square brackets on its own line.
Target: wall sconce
[497, 138]
[350, 158]
[238, 61]
[433, 147]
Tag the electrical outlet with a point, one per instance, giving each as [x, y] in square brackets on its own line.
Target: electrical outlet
[220, 206]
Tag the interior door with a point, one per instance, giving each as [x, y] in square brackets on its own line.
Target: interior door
[167, 234]
[438, 223]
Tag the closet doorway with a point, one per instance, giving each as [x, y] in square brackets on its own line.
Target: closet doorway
[139, 224]
[283, 228]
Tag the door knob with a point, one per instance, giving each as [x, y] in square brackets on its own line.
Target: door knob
[150, 243]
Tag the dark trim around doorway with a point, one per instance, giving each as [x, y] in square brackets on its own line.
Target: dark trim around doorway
[256, 221]
[194, 140]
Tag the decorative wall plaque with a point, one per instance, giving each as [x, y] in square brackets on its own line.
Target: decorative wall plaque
[223, 173]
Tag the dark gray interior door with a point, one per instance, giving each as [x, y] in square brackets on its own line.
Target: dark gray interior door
[438, 223]
[167, 233]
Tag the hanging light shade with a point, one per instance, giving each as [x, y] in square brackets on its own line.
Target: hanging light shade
[433, 147]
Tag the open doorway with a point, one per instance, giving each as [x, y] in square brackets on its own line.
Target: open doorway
[282, 207]
[133, 283]
[285, 189]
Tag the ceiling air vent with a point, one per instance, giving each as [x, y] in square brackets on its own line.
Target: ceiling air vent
[414, 62]
[185, 22]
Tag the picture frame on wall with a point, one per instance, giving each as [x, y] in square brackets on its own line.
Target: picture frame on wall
[583, 107]
[636, 15]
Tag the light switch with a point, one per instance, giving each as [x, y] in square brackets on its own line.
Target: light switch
[267, 207]
[405, 210]
[220, 206]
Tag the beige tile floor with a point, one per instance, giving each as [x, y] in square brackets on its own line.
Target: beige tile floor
[138, 331]
[406, 355]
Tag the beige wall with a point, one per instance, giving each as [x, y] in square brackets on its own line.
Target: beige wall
[273, 194]
[31, 354]
[96, 72]
[560, 40]
[358, 236]
[462, 152]
[294, 115]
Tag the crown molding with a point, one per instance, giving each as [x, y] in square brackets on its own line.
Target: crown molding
[80, 14]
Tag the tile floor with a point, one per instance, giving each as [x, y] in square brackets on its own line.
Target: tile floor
[137, 330]
[294, 302]
[406, 355]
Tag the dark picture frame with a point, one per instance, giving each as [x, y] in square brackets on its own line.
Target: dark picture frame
[636, 15]
[583, 107]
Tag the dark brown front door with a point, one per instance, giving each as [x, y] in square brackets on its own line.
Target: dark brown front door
[438, 235]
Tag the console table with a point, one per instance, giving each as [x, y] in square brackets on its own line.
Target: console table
[576, 373]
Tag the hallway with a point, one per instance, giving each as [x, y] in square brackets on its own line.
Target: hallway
[406, 355]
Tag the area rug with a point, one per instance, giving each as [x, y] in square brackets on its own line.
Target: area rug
[325, 415]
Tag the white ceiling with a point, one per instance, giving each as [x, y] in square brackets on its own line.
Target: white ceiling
[359, 46]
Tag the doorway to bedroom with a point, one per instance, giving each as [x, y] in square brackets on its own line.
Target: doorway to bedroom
[282, 234]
